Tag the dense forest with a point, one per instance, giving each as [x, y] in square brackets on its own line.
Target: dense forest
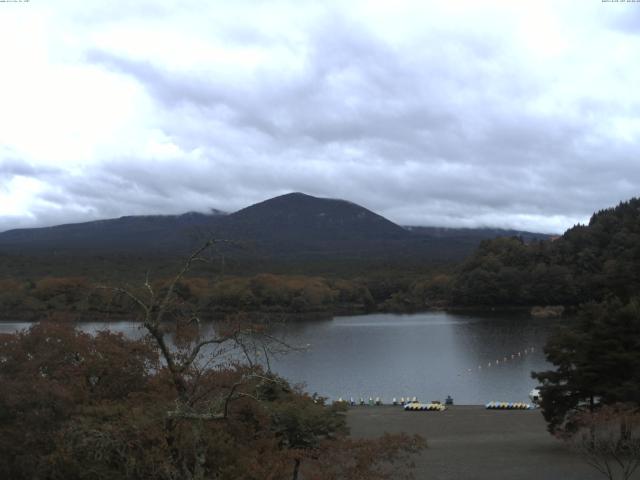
[589, 262]
[84, 298]
[591, 397]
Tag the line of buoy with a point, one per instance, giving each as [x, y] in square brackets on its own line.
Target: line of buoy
[379, 401]
[362, 401]
[505, 359]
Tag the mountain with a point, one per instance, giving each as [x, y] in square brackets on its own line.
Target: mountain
[297, 217]
[294, 226]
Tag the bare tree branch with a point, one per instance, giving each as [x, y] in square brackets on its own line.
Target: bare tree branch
[609, 440]
[185, 268]
[196, 350]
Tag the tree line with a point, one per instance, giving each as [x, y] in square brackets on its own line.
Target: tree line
[79, 297]
[591, 397]
[587, 263]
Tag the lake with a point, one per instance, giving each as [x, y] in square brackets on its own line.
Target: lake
[473, 358]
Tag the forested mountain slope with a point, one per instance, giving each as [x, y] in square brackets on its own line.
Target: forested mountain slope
[588, 262]
[294, 228]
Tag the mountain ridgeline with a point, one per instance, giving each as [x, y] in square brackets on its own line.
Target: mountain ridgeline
[301, 254]
[293, 227]
[124, 234]
[588, 263]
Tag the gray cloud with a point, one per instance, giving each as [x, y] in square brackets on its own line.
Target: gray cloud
[627, 20]
[447, 127]
[11, 166]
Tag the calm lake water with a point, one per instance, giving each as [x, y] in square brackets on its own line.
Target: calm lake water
[430, 355]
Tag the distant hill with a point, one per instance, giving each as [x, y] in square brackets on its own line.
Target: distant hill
[476, 234]
[124, 234]
[293, 226]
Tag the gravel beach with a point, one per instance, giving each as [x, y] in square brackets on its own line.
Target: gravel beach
[470, 442]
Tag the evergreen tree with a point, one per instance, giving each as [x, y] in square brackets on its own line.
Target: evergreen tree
[597, 363]
[588, 262]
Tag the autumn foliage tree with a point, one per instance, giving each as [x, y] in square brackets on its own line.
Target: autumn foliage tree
[187, 401]
[48, 375]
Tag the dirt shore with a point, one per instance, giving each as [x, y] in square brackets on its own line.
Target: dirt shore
[472, 443]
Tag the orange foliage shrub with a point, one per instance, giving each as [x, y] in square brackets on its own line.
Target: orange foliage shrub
[72, 287]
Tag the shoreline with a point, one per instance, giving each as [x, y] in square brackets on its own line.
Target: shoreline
[317, 315]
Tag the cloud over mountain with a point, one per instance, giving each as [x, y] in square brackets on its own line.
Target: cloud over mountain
[432, 113]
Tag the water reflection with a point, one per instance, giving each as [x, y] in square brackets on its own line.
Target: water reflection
[429, 355]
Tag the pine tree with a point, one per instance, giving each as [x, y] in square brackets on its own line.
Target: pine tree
[597, 363]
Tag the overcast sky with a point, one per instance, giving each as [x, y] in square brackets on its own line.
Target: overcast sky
[452, 113]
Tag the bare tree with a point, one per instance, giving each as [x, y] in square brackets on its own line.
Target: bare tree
[609, 440]
[194, 350]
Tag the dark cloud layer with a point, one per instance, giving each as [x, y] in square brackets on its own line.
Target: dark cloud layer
[450, 124]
